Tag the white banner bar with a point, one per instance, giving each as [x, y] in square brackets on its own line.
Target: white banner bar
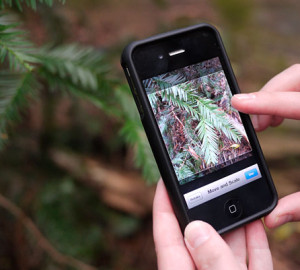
[222, 186]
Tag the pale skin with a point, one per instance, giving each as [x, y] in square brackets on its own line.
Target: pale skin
[202, 247]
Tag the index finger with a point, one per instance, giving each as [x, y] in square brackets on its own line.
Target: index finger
[273, 103]
[283, 104]
[286, 81]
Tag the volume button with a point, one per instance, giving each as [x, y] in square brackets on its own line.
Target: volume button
[131, 81]
[127, 70]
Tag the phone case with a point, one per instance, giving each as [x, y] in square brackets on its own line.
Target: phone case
[154, 136]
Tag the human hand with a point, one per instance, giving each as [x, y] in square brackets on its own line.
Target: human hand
[278, 99]
[202, 247]
[287, 210]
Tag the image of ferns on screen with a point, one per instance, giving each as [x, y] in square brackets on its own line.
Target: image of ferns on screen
[200, 129]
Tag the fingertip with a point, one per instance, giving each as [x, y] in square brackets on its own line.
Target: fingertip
[196, 233]
[287, 210]
[244, 97]
[240, 101]
[274, 221]
[270, 220]
[234, 101]
[207, 248]
[246, 103]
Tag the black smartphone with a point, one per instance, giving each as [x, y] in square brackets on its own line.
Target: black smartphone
[207, 152]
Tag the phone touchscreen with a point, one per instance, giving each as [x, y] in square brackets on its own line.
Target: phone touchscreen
[203, 134]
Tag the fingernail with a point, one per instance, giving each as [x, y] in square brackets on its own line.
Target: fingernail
[283, 219]
[254, 119]
[245, 96]
[196, 233]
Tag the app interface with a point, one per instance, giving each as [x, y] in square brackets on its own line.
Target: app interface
[202, 132]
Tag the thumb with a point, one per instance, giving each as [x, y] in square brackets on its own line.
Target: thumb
[207, 248]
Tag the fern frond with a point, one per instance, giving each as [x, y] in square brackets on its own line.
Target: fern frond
[29, 3]
[15, 89]
[209, 139]
[216, 117]
[73, 64]
[82, 72]
[184, 172]
[184, 168]
[77, 70]
[167, 81]
[15, 49]
[212, 120]
[175, 91]
[153, 99]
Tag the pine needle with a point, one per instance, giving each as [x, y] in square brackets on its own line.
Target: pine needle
[15, 49]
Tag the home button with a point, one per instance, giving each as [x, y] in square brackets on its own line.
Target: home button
[233, 208]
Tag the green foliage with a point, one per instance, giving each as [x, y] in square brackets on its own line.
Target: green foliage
[78, 70]
[183, 109]
[200, 108]
[71, 69]
[14, 47]
[68, 66]
[183, 169]
[16, 77]
[81, 71]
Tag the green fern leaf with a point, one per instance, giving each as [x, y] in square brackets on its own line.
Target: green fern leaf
[209, 139]
[217, 118]
[212, 120]
[15, 49]
[72, 63]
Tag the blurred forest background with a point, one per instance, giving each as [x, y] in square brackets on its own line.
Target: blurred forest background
[77, 175]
